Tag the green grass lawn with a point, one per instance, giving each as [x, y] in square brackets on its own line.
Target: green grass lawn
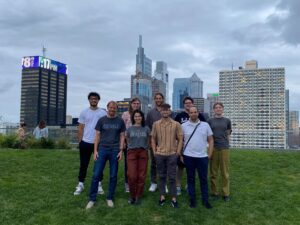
[36, 187]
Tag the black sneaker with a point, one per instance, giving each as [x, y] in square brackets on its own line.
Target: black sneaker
[161, 202]
[131, 201]
[226, 198]
[174, 204]
[207, 205]
[192, 203]
[214, 197]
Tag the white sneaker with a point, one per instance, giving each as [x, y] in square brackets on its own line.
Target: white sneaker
[79, 189]
[126, 187]
[178, 190]
[153, 187]
[167, 190]
[100, 189]
[90, 205]
[110, 203]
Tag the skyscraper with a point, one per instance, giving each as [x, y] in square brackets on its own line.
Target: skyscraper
[196, 86]
[254, 100]
[287, 115]
[294, 139]
[212, 99]
[43, 91]
[183, 87]
[158, 86]
[161, 73]
[143, 64]
[180, 90]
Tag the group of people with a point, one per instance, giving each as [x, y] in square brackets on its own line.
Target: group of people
[40, 131]
[172, 142]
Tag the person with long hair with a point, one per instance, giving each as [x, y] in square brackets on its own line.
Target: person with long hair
[138, 140]
[135, 104]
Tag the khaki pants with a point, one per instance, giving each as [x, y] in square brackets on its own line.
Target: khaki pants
[220, 159]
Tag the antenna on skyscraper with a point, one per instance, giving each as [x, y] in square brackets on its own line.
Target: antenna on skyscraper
[140, 40]
[232, 66]
[44, 51]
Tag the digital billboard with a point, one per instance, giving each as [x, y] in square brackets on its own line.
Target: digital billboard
[42, 62]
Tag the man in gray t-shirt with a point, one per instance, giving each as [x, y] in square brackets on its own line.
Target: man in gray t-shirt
[221, 128]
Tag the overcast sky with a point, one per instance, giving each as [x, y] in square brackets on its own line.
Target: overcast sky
[99, 39]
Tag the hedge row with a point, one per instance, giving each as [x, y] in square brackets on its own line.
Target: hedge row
[11, 141]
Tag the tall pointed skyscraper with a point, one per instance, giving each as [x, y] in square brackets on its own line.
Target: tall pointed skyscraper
[162, 74]
[143, 64]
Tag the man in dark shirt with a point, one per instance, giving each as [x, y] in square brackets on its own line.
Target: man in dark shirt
[153, 116]
[181, 118]
[108, 145]
[221, 128]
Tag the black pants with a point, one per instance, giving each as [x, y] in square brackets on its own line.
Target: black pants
[153, 168]
[200, 165]
[85, 152]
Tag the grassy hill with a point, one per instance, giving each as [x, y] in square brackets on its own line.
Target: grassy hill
[36, 187]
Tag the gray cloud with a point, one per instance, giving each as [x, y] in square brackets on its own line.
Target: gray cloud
[98, 40]
[286, 20]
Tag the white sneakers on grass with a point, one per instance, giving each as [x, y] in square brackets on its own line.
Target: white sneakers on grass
[79, 188]
[153, 187]
[167, 190]
[110, 203]
[178, 190]
[100, 189]
[90, 205]
[127, 188]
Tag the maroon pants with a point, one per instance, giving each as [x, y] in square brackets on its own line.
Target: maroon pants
[137, 160]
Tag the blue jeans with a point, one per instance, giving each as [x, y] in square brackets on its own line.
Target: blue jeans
[201, 165]
[105, 154]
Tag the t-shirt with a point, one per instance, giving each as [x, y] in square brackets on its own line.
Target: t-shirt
[89, 118]
[152, 116]
[138, 137]
[182, 117]
[110, 130]
[197, 146]
[220, 127]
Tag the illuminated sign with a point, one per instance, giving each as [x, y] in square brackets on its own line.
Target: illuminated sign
[42, 62]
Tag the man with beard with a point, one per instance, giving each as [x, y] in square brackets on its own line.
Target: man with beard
[166, 142]
[86, 135]
[153, 116]
[181, 118]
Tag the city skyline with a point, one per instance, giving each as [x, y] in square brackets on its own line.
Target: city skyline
[100, 47]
